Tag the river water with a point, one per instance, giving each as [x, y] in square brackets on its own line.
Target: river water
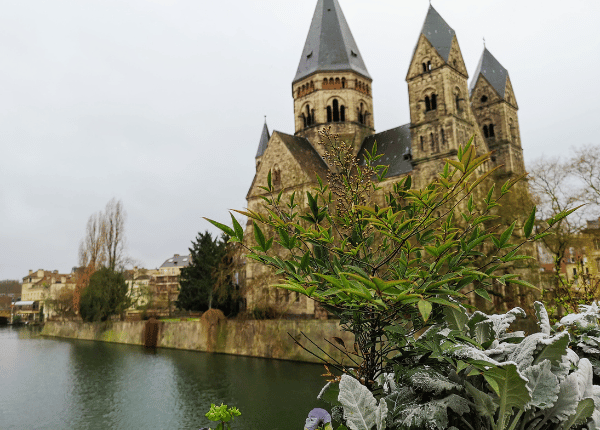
[50, 383]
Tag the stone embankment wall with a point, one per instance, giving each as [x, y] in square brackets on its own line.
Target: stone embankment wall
[254, 338]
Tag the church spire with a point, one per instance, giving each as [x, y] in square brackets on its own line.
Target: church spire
[264, 139]
[492, 71]
[438, 32]
[329, 45]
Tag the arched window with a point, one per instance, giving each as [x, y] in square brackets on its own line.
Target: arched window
[362, 116]
[331, 81]
[457, 101]
[324, 82]
[443, 137]
[337, 81]
[485, 131]
[427, 104]
[422, 144]
[342, 113]
[424, 67]
[491, 130]
[432, 141]
[329, 114]
[304, 119]
[336, 110]
[308, 116]
[343, 82]
[368, 91]
[433, 102]
[312, 85]
[299, 92]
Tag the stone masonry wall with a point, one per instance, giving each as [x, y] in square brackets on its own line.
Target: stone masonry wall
[253, 338]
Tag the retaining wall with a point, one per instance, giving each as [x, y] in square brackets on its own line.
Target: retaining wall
[255, 338]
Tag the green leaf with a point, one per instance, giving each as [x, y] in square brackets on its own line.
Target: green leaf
[305, 260]
[510, 388]
[425, 309]
[528, 227]
[330, 393]
[483, 293]
[556, 218]
[585, 409]
[226, 229]
[484, 403]
[506, 234]
[456, 318]
[239, 231]
[260, 237]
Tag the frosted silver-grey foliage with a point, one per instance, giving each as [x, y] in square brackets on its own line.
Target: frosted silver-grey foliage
[361, 410]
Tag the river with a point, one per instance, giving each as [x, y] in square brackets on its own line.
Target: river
[50, 383]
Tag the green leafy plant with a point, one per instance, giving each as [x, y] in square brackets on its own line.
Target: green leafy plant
[386, 271]
[223, 414]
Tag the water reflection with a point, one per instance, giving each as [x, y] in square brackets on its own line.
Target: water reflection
[96, 385]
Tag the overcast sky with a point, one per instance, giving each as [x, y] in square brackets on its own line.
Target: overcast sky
[160, 103]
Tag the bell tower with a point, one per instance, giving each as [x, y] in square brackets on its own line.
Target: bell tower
[332, 86]
[495, 107]
[440, 114]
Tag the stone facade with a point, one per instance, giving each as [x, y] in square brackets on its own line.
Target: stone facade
[333, 88]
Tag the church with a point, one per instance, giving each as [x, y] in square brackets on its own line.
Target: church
[333, 88]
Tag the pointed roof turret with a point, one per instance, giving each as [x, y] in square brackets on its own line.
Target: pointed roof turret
[264, 139]
[438, 32]
[329, 45]
[492, 71]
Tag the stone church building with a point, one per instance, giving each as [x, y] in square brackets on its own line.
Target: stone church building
[333, 88]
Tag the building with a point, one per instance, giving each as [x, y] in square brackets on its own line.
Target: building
[332, 87]
[166, 282]
[37, 288]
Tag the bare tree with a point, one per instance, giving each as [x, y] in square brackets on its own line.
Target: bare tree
[585, 166]
[114, 234]
[91, 247]
[554, 190]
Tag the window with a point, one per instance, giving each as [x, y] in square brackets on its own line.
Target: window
[422, 144]
[429, 66]
[485, 131]
[324, 82]
[329, 117]
[336, 111]
[342, 113]
[343, 82]
[432, 141]
[443, 137]
[331, 81]
[433, 102]
[491, 130]
[424, 67]
[484, 98]
[427, 104]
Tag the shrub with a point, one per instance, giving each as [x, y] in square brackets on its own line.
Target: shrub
[395, 271]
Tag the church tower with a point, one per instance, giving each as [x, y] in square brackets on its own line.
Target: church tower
[440, 115]
[332, 86]
[495, 107]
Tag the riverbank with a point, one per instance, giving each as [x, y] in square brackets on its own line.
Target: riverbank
[252, 338]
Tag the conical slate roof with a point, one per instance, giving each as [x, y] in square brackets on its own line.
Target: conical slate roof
[438, 32]
[264, 139]
[329, 45]
[492, 71]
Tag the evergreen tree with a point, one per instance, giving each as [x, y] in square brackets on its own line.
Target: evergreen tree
[197, 280]
[105, 295]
